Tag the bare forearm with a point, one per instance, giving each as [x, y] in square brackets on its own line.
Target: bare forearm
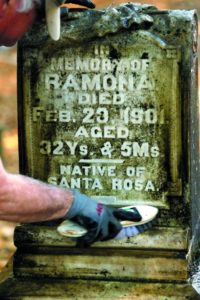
[27, 200]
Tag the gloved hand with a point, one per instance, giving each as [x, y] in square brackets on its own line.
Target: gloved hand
[16, 16]
[102, 222]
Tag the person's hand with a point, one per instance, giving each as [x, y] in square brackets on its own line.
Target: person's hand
[16, 16]
[102, 222]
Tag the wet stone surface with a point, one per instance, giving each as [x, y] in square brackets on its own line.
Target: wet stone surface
[104, 116]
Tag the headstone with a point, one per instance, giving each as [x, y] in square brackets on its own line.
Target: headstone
[111, 110]
[104, 107]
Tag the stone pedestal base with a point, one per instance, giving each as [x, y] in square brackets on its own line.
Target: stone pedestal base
[14, 288]
[21, 289]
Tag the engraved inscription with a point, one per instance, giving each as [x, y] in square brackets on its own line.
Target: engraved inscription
[101, 120]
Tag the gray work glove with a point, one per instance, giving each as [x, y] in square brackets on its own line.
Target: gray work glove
[102, 222]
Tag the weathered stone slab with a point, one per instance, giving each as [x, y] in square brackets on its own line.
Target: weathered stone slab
[106, 266]
[157, 238]
[118, 100]
[97, 290]
[104, 108]
[24, 288]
